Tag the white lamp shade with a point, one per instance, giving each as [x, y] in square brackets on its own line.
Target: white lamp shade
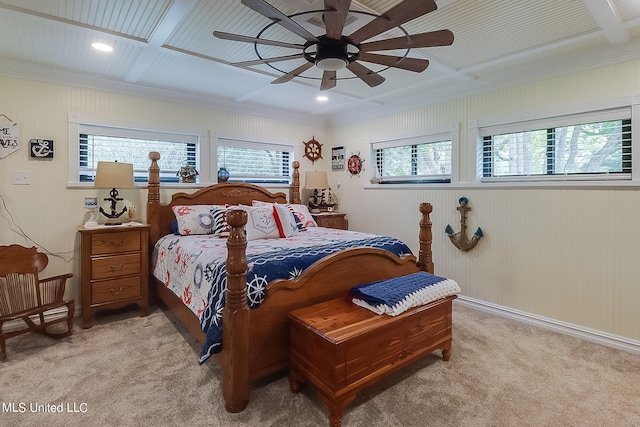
[114, 175]
[316, 180]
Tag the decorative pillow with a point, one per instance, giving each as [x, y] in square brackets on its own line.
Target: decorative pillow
[221, 228]
[196, 219]
[303, 216]
[300, 212]
[285, 220]
[173, 227]
[261, 224]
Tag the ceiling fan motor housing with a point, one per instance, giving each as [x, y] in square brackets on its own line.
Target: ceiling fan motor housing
[331, 54]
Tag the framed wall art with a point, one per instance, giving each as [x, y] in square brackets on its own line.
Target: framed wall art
[337, 158]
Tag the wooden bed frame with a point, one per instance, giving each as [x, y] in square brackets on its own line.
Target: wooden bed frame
[256, 342]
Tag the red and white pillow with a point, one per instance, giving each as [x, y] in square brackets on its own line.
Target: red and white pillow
[202, 219]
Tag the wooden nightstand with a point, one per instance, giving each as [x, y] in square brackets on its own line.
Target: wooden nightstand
[115, 268]
[331, 220]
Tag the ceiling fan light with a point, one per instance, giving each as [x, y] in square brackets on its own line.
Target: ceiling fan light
[331, 64]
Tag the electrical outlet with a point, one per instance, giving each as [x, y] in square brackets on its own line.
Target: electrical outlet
[21, 177]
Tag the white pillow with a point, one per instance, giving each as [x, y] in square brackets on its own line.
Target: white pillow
[196, 219]
[300, 212]
[285, 220]
[261, 224]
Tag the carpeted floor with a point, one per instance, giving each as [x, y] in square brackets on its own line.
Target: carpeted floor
[130, 370]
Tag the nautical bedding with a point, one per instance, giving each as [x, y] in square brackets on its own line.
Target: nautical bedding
[194, 268]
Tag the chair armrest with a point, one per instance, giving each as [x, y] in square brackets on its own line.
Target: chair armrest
[52, 288]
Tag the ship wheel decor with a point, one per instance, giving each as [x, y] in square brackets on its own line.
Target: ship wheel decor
[355, 164]
[333, 52]
[460, 239]
[312, 150]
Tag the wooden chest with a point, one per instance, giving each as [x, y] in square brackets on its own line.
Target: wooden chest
[342, 348]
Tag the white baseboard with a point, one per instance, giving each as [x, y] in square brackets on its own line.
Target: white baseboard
[599, 337]
[53, 314]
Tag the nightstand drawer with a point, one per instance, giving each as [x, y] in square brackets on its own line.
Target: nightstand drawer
[115, 243]
[115, 266]
[114, 290]
[332, 222]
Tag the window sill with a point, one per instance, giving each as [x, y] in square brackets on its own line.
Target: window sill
[586, 185]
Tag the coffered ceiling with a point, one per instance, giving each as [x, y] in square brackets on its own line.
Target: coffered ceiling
[165, 49]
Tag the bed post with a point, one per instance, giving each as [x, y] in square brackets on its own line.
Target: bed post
[235, 318]
[153, 200]
[425, 256]
[294, 197]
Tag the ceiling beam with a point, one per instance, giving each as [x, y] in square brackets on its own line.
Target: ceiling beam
[161, 33]
[606, 16]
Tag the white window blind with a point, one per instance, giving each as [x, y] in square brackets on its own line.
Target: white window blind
[103, 143]
[414, 160]
[595, 145]
[256, 162]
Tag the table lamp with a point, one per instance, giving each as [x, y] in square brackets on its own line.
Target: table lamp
[316, 181]
[112, 175]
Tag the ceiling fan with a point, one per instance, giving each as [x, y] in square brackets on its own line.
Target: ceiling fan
[334, 51]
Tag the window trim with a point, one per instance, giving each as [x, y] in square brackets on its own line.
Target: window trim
[275, 144]
[76, 121]
[436, 134]
[475, 157]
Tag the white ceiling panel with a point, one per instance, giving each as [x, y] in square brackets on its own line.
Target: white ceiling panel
[168, 45]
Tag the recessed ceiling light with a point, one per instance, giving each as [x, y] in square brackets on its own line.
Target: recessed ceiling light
[102, 47]
[322, 98]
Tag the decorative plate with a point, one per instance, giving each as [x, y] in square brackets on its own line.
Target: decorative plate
[354, 164]
[313, 150]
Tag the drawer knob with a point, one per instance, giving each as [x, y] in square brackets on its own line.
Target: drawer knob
[117, 244]
[116, 268]
[117, 291]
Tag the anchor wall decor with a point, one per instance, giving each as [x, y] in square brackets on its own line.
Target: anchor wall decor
[460, 239]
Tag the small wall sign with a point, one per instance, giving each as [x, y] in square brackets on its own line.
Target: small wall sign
[337, 158]
[41, 148]
[9, 136]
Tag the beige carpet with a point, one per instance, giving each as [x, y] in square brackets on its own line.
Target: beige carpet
[129, 370]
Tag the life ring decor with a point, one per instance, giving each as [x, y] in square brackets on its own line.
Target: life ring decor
[355, 164]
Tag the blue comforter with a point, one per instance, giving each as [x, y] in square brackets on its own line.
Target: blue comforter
[283, 263]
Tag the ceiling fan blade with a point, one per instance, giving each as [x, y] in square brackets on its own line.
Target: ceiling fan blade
[328, 80]
[267, 60]
[335, 19]
[265, 9]
[404, 11]
[430, 39]
[404, 63]
[365, 74]
[290, 75]
[239, 38]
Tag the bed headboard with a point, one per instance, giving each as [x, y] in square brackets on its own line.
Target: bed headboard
[159, 216]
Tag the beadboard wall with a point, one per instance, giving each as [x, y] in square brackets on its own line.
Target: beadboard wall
[49, 212]
[569, 254]
[561, 253]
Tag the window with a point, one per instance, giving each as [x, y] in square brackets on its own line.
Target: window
[102, 143]
[589, 146]
[255, 162]
[414, 160]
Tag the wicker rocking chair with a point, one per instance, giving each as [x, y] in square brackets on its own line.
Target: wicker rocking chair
[24, 296]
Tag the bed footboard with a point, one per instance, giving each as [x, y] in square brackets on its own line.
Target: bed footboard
[256, 342]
